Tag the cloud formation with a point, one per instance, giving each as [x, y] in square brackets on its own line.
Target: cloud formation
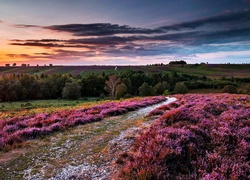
[224, 21]
[100, 29]
[104, 39]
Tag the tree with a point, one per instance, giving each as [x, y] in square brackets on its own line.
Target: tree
[145, 90]
[181, 62]
[92, 85]
[54, 84]
[180, 88]
[32, 86]
[111, 85]
[120, 91]
[229, 89]
[159, 88]
[71, 90]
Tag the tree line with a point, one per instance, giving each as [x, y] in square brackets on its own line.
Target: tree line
[124, 84]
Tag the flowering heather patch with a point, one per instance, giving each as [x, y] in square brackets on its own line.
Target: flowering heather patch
[197, 137]
[20, 129]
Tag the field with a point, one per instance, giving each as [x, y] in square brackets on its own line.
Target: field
[192, 136]
[209, 70]
[196, 137]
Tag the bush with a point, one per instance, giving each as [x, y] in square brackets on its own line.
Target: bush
[166, 93]
[71, 90]
[229, 89]
[180, 88]
[145, 90]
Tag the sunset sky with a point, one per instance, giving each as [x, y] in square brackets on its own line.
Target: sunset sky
[124, 32]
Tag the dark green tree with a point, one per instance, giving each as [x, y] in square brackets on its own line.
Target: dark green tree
[160, 88]
[92, 85]
[180, 88]
[72, 90]
[145, 90]
[229, 89]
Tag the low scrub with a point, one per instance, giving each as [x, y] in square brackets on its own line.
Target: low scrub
[19, 129]
[196, 137]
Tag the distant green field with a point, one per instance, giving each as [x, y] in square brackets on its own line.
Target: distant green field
[209, 70]
[34, 104]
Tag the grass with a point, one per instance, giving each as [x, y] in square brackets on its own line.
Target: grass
[10, 109]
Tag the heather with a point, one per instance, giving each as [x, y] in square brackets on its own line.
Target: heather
[18, 129]
[202, 136]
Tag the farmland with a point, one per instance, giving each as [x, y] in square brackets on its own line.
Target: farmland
[209, 70]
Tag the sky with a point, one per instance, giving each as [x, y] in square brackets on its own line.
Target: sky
[124, 32]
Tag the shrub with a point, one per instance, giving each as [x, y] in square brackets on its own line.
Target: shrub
[71, 90]
[229, 89]
[145, 90]
[204, 137]
[180, 88]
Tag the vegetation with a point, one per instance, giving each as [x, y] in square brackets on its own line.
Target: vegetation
[180, 88]
[71, 90]
[229, 89]
[196, 137]
[18, 129]
[15, 87]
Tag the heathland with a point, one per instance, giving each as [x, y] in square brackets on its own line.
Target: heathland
[108, 122]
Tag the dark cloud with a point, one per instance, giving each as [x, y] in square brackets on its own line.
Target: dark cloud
[232, 19]
[38, 43]
[116, 40]
[100, 29]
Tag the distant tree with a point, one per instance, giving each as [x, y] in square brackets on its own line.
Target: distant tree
[181, 62]
[53, 85]
[14, 64]
[229, 89]
[128, 84]
[180, 88]
[111, 85]
[32, 86]
[159, 88]
[11, 90]
[137, 79]
[7, 65]
[92, 85]
[120, 91]
[71, 90]
[145, 90]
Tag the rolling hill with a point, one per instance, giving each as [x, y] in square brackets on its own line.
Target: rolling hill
[209, 70]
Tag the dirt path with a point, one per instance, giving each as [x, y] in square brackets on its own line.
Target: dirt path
[84, 152]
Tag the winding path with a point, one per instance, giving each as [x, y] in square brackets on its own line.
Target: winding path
[84, 152]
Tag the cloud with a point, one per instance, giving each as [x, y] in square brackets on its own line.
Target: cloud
[100, 29]
[226, 20]
[177, 40]
[26, 26]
